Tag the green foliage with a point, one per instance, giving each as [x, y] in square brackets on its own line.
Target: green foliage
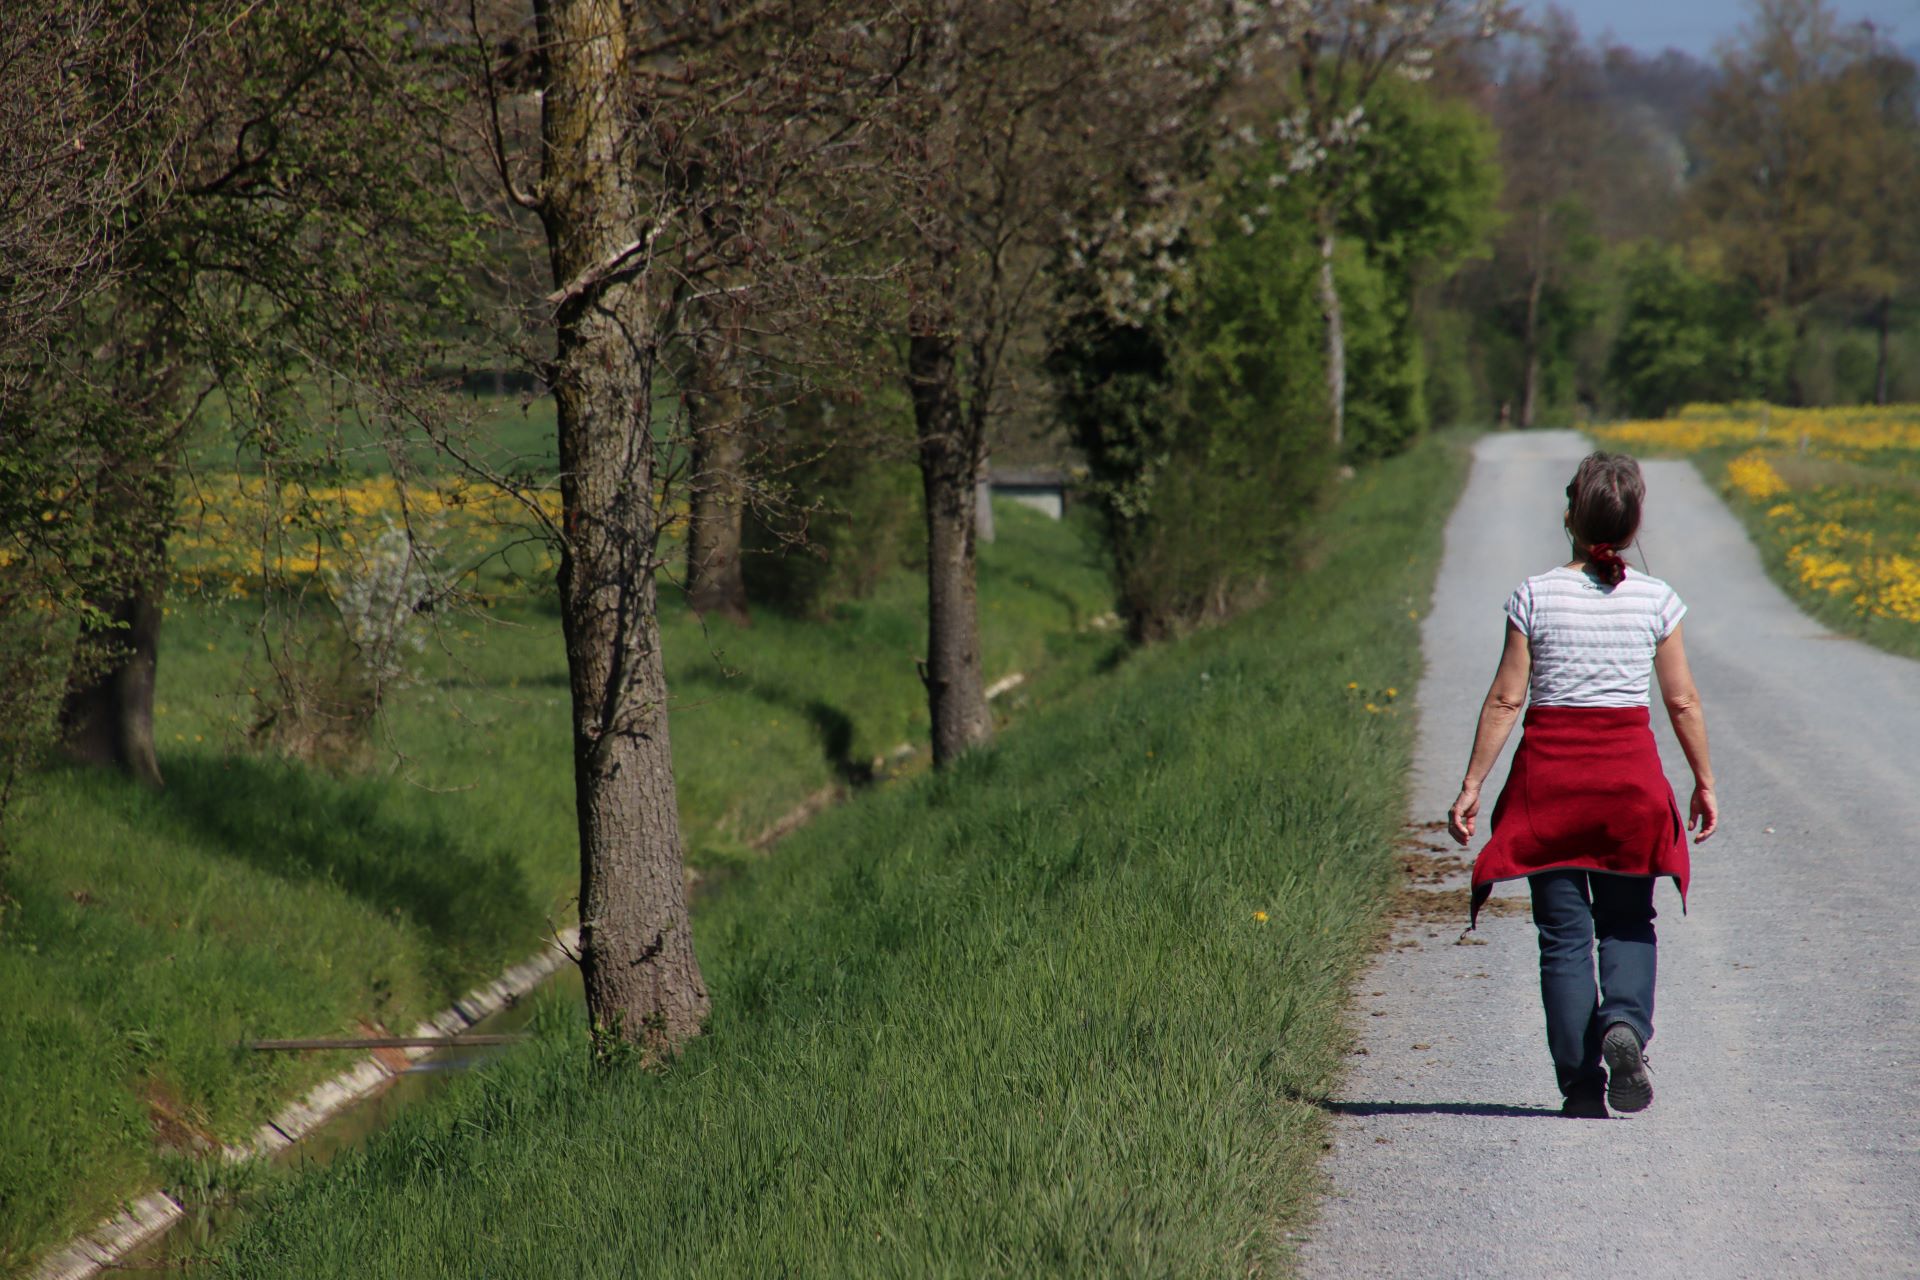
[1426, 206]
[1430, 197]
[1019, 1019]
[1204, 423]
[841, 508]
[1386, 363]
[1203, 426]
[148, 933]
[1452, 392]
[1686, 337]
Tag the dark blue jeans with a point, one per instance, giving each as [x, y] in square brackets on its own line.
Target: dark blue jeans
[1573, 909]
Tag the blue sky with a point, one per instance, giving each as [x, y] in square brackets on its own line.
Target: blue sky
[1697, 25]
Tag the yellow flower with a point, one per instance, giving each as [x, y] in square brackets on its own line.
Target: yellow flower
[1371, 707]
[1392, 692]
[1260, 917]
[1353, 684]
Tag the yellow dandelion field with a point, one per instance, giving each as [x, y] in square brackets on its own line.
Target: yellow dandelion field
[1832, 495]
[234, 534]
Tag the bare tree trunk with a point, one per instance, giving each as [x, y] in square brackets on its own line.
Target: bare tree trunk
[1336, 334]
[983, 530]
[716, 579]
[106, 717]
[1797, 392]
[1884, 322]
[950, 450]
[643, 983]
[1530, 342]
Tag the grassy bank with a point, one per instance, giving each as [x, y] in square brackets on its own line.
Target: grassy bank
[147, 934]
[1067, 1009]
[1830, 497]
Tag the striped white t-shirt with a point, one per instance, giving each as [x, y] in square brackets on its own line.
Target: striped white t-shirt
[1593, 644]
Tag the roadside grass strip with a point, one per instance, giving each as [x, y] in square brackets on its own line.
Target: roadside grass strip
[143, 936]
[1069, 1008]
[1831, 498]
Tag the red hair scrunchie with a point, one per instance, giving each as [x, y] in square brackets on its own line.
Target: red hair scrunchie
[1608, 565]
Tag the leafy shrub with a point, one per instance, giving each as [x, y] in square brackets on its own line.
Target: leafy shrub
[333, 666]
[1687, 338]
[841, 507]
[1202, 419]
[1386, 367]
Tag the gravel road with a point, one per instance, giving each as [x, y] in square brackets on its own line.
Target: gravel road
[1784, 1137]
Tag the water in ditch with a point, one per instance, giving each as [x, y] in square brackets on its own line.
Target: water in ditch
[213, 1216]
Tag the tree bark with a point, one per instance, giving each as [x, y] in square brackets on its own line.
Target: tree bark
[1530, 343]
[106, 716]
[1336, 334]
[716, 579]
[950, 455]
[643, 983]
[1884, 322]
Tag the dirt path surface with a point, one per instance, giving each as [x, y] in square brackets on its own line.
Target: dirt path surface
[1784, 1138]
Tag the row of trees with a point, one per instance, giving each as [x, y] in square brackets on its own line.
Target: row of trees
[696, 225]
[749, 248]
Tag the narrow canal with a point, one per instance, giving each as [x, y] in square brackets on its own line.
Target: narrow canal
[213, 1216]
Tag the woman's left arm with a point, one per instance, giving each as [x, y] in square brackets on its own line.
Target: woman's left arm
[1504, 703]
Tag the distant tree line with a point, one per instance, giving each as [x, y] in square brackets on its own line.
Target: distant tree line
[1675, 231]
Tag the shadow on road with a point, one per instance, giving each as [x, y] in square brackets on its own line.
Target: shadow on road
[1497, 1109]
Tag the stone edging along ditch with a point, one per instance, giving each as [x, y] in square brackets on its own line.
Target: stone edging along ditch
[146, 1218]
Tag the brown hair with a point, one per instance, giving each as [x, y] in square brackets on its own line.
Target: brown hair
[1603, 511]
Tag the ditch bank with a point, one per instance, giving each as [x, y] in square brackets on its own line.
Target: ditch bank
[138, 1234]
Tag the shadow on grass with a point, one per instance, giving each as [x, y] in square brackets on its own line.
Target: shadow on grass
[1492, 1109]
[289, 822]
[832, 727]
[988, 574]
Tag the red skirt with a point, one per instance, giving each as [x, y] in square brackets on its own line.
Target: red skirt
[1586, 791]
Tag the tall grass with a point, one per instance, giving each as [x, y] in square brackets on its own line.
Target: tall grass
[147, 934]
[1067, 1009]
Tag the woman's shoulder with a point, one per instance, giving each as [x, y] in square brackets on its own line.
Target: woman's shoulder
[1557, 577]
[1647, 584]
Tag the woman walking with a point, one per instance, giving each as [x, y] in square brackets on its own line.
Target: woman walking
[1586, 814]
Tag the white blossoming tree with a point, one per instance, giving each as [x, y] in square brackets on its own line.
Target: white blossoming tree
[1332, 54]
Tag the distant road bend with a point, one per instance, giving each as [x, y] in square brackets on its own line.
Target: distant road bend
[1784, 1139]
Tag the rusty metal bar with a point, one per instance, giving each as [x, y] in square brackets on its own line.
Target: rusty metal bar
[386, 1042]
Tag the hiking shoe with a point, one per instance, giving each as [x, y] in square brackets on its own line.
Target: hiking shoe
[1629, 1087]
[1586, 1101]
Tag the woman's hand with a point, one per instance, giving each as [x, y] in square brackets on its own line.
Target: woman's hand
[1703, 812]
[1465, 809]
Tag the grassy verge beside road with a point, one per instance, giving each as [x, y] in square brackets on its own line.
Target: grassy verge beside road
[1066, 1009]
[1830, 497]
[143, 935]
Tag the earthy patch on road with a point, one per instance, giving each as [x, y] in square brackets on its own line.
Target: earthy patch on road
[1430, 895]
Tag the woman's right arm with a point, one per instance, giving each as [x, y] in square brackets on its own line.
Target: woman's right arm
[1505, 699]
[1690, 726]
